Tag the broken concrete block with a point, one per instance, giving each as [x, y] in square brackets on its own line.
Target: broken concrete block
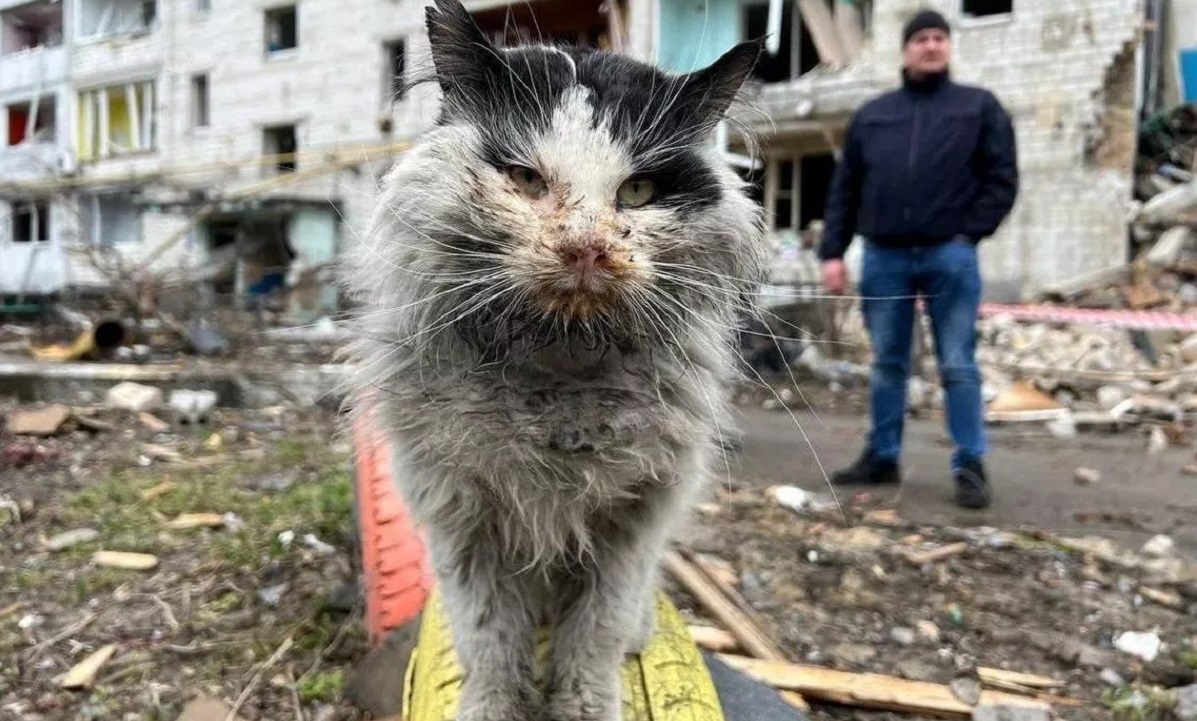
[206, 709]
[134, 397]
[1160, 546]
[1186, 703]
[1110, 396]
[1188, 349]
[192, 406]
[40, 422]
[1086, 476]
[1170, 246]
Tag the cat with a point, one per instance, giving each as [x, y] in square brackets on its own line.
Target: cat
[546, 302]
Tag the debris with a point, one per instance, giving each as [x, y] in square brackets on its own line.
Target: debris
[1010, 712]
[196, 520]
[273, 595]
[1164, 598]
[966, 689]
[1086, 476]
[150, 494]
[902, 636]
[873, 690]
[83, 344]
[206, 341]
[1111, 678]
[1186, 703]
[884, 517]
[928, 630]
[1110, 396]
[153, 422]
[316, 544]
[72, 538]
[214, 442]
[1023, 398]
[1026, 680]
[1170, 247]
[206, 709]
[1190, 470]
[1063, 426]
[129, 396]
[937, 554]
[30, 620]
[855, 539]
[799, 500]
[41, 422]
[125, 560]
[718, 570]
[714, 639]
[1159, 546]
[156, 452]
[279, 481]
[724, 608]
[19, 455]
[83, 674]
[192, 407]
[1157, 441]
[1145, 645]
[92, 424]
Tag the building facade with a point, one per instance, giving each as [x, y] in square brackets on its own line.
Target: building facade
[241, 142]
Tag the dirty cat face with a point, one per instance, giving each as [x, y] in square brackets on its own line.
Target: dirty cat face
[575, 186]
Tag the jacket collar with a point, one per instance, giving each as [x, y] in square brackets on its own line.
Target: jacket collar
[924, 85]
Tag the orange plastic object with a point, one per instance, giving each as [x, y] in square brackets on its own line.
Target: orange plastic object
[395, 567]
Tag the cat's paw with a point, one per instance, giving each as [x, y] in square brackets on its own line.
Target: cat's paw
[497, 707]
[586, 699]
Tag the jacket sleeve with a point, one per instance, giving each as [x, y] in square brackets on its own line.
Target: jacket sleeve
[996, 162]
[843, 198]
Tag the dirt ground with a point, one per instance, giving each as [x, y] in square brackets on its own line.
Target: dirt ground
[255, 611]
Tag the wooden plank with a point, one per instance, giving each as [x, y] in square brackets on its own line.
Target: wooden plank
[936, 554]
[1027, 680]
[714, 639]
[874, 691]
[742, 627]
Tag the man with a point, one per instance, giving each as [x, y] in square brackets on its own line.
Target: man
[928, 170]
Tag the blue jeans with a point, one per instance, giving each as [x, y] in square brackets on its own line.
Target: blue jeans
[949, 281]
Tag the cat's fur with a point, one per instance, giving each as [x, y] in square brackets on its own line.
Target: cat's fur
[549, 437]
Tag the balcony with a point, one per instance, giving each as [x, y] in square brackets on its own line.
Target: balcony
[27, 70]
[32, 161]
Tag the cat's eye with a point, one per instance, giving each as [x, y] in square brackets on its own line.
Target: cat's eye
[635, 192]
[527, 180]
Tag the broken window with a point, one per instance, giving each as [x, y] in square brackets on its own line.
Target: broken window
[986, 8]
[282, 29]
[37, 24]
[199, 101]
[109, 219]
[117, 120]
[280, 140]
[31, 222]
[32, 122]
[565, 22]
[785, 200]
[396, 59]
[102, 18]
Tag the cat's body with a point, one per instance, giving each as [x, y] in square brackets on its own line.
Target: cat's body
[548, 354]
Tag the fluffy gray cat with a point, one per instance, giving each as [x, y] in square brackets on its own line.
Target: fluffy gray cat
[547, 297]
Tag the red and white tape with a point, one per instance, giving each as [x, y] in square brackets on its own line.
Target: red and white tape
[1128, 319]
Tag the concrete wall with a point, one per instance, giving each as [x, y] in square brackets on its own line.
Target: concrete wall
[1180, 33]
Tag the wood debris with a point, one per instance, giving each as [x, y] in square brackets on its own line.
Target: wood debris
[153, 422]
[726, 611]
[83, 675]
[156, 452]
[714, 639]
[40, 422]
[936, 554]
[875, 691]
[125, 560]
[206, 709]
[1163, 598]
[150, 494]
[196, 520]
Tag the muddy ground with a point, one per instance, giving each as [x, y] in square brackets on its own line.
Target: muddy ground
[254, 611]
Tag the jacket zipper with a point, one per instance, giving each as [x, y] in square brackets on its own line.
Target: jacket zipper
[914, 136]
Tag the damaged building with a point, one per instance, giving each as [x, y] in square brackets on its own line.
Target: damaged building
[239, 145]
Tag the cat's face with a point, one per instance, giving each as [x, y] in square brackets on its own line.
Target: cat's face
[586, 180]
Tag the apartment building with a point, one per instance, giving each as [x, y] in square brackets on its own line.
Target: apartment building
[240, 142]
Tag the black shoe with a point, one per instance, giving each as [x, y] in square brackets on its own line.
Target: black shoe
[972, 489]
[868, 471]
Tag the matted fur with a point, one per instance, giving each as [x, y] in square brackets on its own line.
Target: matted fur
[549, 435]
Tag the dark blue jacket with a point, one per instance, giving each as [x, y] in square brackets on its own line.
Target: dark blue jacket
[922, 164]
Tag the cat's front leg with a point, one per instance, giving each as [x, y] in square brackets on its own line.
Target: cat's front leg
[493, 630]
[603, 619]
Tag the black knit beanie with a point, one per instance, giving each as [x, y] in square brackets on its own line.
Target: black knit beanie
[924, 20]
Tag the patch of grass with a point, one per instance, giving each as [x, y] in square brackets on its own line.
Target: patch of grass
[128, 523]
[324, 686]
[1135, 704]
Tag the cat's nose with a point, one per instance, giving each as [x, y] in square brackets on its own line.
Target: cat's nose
[584, 261]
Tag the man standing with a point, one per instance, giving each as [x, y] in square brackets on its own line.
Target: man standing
[928, 170]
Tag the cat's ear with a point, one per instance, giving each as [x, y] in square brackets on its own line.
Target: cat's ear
[712, 89]
[467, 63]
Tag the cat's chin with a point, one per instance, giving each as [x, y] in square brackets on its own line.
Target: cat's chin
[580, 307]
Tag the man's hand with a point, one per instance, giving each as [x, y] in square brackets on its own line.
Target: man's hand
[835, 278]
